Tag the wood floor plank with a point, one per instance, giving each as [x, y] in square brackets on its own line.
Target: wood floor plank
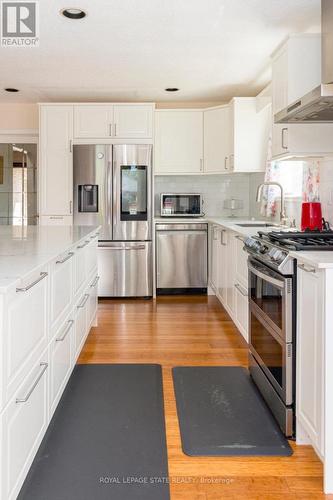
[196, 331]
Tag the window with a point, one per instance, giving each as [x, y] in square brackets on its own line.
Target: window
[290, 176]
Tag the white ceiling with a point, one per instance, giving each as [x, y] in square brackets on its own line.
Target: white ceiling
[130, 50]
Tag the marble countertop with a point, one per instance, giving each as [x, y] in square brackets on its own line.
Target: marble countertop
[320, 259]
[24, 249]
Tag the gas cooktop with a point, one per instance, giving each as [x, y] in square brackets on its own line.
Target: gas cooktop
[308, 240]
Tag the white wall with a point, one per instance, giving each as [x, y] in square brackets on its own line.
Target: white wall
[214, 188]
[18, 116]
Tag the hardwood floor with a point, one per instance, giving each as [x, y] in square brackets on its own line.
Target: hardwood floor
[197, 331]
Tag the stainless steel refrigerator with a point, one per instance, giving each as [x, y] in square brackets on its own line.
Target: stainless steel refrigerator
[112, 188]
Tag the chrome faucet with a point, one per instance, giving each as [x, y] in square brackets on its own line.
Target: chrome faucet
[283, 218]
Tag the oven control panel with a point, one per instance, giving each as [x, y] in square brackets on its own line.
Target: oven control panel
[270, 254]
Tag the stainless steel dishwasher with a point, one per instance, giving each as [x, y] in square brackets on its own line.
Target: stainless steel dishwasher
[181, 258]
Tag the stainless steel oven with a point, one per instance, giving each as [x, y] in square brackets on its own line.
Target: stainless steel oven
[272, 338]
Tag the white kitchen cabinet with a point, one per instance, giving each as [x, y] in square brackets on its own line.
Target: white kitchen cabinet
[60, 361]
[178, 142]
[249, 130]
[22, 426]
[296, 70]
[80, 263]
[93, 121]
[81, 321]
[93, 301]
[241, 316]
[56, 159]
[216, 139]
[25, 330]
[61, 288]
[133, 121]
[310, 354]
[214, 256]
[222, 279]
[231, 271]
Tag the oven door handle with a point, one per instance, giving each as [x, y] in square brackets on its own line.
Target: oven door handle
[278, 283]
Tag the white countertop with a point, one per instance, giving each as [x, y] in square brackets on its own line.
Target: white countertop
[26, 248]
[320, 259]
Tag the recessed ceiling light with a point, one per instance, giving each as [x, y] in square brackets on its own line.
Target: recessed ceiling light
[171, 89]
[73, 13]
[10, 89]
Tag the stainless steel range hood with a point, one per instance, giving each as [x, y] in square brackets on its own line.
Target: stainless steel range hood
[316, 106]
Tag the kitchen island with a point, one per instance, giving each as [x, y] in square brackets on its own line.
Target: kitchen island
[48, 303]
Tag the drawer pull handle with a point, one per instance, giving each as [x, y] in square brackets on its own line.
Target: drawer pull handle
[307, 270]
[84, 244]
[240, 238]
[137, 247]
[94, 283]
[240, 289]
[31, 390]
[26, 288]
[84, 301]
[67, 330]
[69, 256]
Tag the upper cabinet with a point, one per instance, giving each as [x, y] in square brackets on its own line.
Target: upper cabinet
[216, 139]
[133, 121]
[120, 121]
[56, 159]
[249, 131]
[220, 140]
[179, 141]
[296, 70]
[93, 121]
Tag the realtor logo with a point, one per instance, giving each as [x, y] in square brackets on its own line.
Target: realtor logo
[19, 23]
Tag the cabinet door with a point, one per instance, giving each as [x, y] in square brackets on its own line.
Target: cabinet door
[310, 362]
[93, 301]
[179, 142]
[231, 271]
[93, 121]
[222, 267]
[56, 160]
[22, 426]
[133, 121]
[214, 252]
[241, 262]
[216, 140]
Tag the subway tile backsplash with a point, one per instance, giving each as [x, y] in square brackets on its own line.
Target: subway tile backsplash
[214, 189]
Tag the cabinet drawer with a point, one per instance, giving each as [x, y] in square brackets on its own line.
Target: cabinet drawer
[81, 264]
[92, 255]
[61, 288]
[60, 361]
[25, 330]
[23, 424]
[80, 324]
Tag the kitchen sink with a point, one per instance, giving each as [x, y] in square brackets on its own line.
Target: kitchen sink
[256, 224]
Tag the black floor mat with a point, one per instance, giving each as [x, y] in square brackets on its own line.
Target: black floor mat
[221, 413]
[106, 439]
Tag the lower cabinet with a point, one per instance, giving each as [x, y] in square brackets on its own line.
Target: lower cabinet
[81, 319]
[242, 310]
[228, 274]
[310, 354]
[60, 361]
[23, 424]
[47, 334]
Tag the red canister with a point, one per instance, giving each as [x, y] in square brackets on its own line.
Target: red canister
[311, 216]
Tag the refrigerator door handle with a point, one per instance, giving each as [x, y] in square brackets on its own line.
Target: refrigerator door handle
[108, 190]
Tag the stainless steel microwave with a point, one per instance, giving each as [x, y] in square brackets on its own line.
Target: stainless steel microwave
[181, 205]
